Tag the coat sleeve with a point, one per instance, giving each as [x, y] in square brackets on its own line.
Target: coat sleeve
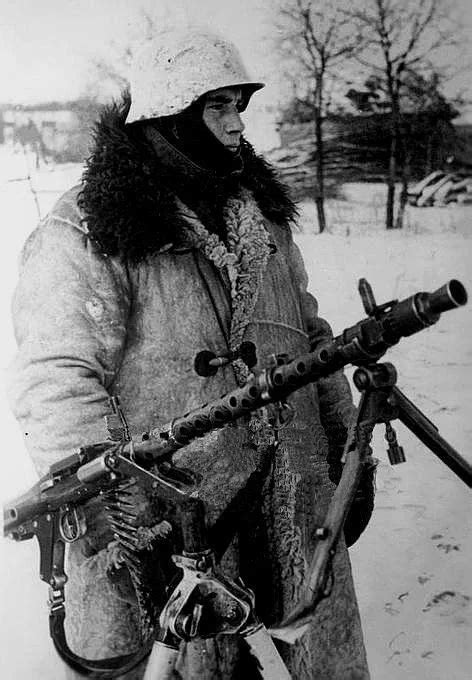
[336, 406]
[69, 311]
[336, 411]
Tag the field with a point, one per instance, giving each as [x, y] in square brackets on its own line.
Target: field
[412, 565]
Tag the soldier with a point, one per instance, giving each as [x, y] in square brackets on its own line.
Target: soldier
[179, 239]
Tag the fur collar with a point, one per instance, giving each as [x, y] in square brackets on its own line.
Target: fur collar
[132, 209]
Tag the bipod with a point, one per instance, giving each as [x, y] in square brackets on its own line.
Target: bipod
[381, 402]
[205, 603]
[395, 404]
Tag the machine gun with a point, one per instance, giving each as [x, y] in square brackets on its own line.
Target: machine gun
[51, 509]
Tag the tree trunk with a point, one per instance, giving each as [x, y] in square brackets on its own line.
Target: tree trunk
[320, 196]
[403, 156]
[393, 160]
[404, 192]
[429, 155]
[392, 172]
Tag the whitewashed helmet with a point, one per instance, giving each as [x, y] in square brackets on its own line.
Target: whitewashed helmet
[173, 70]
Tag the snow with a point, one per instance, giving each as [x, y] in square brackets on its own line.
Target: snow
[411, 567]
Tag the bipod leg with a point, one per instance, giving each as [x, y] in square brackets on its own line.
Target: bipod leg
[427, 432]
[376, 384]
[317, 580]
[261, 645]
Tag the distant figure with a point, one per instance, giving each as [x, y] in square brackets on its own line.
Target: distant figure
[29, 138]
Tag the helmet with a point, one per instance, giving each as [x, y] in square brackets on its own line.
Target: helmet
[173, 70]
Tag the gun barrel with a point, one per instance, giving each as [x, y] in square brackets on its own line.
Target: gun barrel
[451, 295]
[400, 320]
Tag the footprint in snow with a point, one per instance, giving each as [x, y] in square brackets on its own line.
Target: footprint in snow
[424, 578]
[450, 603]
[447, 547]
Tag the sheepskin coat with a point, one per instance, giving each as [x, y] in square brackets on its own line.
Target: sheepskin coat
[91, 322]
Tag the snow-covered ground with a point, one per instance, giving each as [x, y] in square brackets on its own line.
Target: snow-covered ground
[412, 565]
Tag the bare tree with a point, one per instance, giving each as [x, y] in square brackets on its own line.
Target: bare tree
[315, 39]
[405, 37]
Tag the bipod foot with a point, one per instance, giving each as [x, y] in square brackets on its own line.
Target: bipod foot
[163, 658]
[261, 645]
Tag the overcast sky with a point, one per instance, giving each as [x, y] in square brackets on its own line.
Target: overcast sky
[46, 46]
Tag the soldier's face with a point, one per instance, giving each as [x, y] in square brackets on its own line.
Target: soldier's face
[221, 115]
